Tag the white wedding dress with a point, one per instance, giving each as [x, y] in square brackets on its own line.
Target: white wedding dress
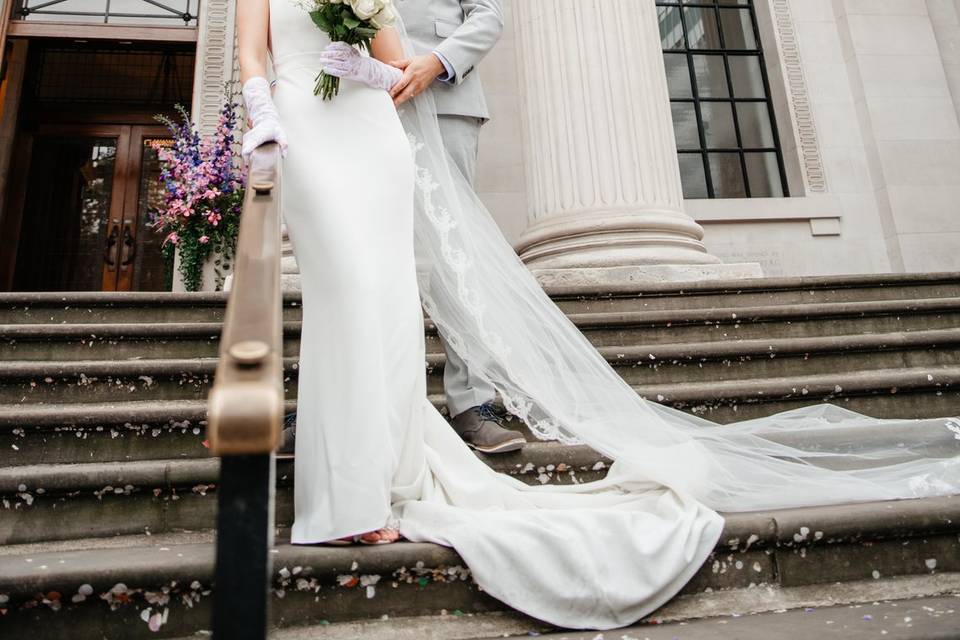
[370, 446]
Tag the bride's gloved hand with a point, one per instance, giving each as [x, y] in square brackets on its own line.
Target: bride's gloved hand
[264, 116]
[343, 61]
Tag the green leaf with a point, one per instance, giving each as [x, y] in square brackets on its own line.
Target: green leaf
[321, 21]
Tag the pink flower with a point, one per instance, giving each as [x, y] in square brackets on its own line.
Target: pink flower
[204, 239]
[173, 238]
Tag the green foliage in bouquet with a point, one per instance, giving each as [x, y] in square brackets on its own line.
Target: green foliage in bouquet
[355, 22]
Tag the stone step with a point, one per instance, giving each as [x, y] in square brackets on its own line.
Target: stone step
[912, 618]
[69, 381]
[156, 496]
[103, 499]
[115, 587]
[111, 307]
[755, 292]
[122, 341]
[133, 428]
[907, 608]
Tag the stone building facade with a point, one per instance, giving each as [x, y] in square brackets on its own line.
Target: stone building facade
[651, 139]
[866, 98]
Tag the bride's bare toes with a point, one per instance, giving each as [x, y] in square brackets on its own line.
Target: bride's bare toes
[389, 535]
[380, 536]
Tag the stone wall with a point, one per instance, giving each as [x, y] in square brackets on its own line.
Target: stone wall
[867, 95]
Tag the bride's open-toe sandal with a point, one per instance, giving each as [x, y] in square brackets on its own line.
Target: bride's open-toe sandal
[387, 535]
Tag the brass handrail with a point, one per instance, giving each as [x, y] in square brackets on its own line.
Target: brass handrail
[245, 407]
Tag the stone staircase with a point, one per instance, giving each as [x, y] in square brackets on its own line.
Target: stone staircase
[109, 494]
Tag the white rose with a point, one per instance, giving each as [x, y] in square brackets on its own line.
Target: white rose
[366, 9]
[385, 18]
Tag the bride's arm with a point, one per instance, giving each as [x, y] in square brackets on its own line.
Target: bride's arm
[386, 46]
[253, 21]
[253, 17]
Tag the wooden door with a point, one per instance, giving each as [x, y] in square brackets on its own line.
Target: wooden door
[140, 265]
[85, 211]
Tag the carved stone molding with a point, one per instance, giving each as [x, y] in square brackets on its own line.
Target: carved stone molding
[215, 62]
[811, 165]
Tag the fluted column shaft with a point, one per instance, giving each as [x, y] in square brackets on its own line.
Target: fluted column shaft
[602, 175]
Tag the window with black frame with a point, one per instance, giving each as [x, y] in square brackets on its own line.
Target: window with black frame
[720, 98]
[176, 13]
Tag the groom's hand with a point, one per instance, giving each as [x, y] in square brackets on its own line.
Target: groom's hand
[419, 73]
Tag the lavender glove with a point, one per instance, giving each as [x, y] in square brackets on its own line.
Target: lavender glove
[343, 61]
[264, 116]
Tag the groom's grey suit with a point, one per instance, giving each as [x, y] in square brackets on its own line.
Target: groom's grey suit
[460, 33]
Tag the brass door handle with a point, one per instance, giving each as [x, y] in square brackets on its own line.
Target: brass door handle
[110, 249]
[129, 249]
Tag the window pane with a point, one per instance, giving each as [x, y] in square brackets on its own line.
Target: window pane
[737, 29]
[685, 125]
[747, 77]
[702, 29]
[711, 76]
[671, 28]
[678, 75]
[693, 176]
[727, 175]
[755, 128]
[764, 173]
[718, 125]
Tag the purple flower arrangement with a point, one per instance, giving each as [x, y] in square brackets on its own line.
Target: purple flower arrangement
[203, 180]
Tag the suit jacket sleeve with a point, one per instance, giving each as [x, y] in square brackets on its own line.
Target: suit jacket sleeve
[471, 41]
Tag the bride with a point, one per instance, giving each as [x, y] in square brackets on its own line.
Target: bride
[380, 221]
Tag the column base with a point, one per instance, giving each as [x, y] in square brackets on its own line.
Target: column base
[614, 237]
[601, 277]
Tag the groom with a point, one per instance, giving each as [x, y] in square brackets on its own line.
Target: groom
[450, 38]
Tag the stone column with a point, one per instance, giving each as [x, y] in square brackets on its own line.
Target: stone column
[603, 180]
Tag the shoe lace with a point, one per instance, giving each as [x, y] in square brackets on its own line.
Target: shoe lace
[486, 412]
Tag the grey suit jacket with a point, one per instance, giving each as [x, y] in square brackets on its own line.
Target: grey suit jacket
[463, 32]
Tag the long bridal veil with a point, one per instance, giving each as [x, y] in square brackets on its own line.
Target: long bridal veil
[493, 312]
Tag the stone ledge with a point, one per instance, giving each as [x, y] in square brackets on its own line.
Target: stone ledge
[606, 277]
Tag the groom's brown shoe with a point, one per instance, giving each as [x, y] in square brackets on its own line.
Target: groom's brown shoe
[481, 428]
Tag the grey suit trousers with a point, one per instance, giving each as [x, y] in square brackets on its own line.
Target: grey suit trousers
[461, 136]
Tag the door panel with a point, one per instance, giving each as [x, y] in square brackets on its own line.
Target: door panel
[86, 223]
[147, 268]
[72, 198]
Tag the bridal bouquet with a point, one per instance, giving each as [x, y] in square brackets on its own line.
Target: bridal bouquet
[354, 22]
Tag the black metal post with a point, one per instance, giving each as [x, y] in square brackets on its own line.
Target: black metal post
[244, 539]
